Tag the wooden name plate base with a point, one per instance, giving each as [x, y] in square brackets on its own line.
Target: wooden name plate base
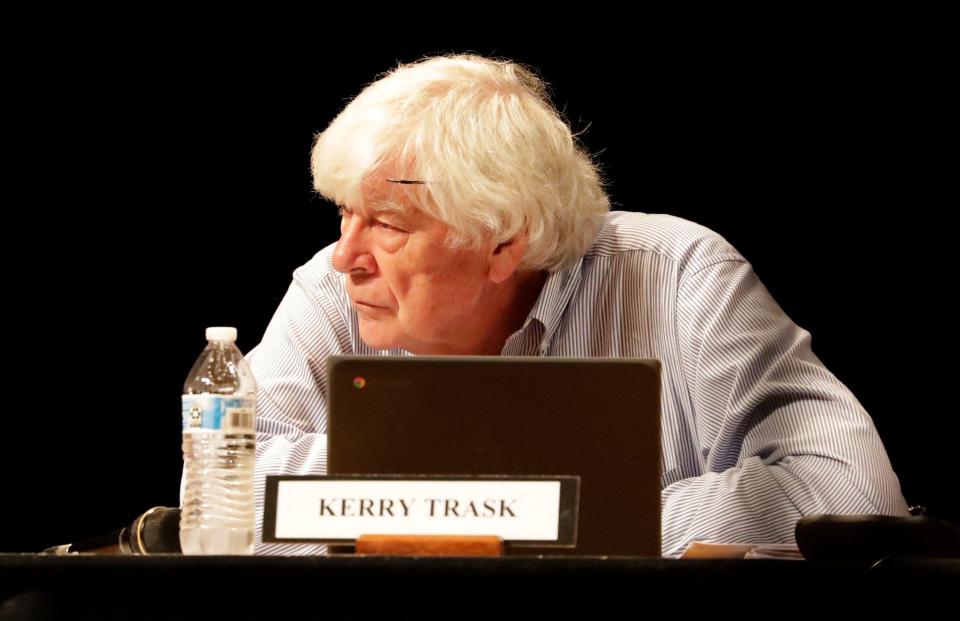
[430, 545]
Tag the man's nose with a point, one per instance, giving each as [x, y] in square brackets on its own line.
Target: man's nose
[352, 254]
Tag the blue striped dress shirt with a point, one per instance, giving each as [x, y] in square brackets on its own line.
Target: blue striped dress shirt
[756, 432]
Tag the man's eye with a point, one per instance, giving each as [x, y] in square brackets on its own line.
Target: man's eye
[387, 226]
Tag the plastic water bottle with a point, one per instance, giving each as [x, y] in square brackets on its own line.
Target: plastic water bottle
[219, 401]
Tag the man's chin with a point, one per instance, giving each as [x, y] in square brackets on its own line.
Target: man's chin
[377, 338]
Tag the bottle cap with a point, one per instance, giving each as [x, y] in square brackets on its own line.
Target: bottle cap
[222, 334]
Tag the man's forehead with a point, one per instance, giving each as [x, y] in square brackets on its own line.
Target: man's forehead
[380, 196]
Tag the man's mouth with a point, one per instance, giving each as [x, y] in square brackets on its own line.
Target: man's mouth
[361, 305]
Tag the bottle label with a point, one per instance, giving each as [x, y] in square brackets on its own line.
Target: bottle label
[218, 413]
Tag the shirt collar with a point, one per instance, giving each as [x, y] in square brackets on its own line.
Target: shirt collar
[554, 298]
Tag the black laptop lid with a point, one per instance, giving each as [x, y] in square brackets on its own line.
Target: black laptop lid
[598, 419]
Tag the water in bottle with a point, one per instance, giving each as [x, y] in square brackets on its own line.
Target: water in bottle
[219, 401]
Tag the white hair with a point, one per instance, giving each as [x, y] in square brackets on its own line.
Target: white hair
[493, 154]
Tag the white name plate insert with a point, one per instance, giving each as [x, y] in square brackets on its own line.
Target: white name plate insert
[539, 511]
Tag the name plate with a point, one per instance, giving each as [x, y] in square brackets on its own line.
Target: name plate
[533, 511]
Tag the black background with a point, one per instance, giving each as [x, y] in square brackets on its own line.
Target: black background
[161, 185]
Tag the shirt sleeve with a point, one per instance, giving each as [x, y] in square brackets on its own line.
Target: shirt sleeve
[290, 367]
[780, 435]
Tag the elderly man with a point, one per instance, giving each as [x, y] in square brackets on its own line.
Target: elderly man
[474, 223]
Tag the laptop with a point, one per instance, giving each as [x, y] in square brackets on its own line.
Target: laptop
[596, 419]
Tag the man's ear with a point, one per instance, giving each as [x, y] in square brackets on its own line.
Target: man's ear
[507, 256]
